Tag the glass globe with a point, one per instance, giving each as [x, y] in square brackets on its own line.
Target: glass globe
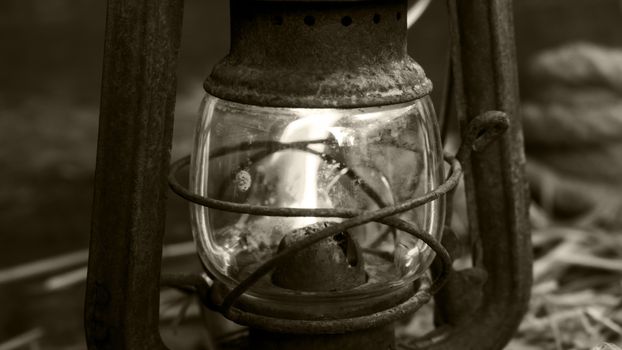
[359, 158]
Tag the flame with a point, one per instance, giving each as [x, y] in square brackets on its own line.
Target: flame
[292, 179]
[298, 171]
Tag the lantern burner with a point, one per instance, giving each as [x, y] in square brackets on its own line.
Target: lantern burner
[332, 264]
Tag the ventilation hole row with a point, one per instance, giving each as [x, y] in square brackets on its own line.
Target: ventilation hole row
[345, 20]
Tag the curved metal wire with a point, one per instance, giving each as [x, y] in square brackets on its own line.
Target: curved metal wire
[482, 130]
[252, 209]
[334, 326]
[355, 218]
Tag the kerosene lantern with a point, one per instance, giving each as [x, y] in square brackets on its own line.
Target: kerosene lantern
[301, 128]
[318, 183]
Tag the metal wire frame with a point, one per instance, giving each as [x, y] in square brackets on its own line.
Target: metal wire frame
[482, 130]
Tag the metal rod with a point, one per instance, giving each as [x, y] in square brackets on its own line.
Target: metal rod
[135, 132]
[484, 63]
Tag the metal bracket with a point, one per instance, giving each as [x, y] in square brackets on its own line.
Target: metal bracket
[484, 79]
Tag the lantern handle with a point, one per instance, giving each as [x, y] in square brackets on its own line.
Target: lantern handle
[135, 132]
[483, 62]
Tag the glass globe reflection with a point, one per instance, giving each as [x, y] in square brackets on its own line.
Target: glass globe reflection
[359, 158]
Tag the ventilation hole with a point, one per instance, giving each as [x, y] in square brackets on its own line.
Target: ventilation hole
[376, 18]
[309, 20]
[340, 238]
[346, 21]
[348, 248]
[342, 242]
[398, 16]
[277, 20]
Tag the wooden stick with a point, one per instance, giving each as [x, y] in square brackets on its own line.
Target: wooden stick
[598, 316]
[178, 249]
[65, 280]
[592, 262]
[22, 339]
[606, 346]
[550, 265]
[45, 266]
[76, 276]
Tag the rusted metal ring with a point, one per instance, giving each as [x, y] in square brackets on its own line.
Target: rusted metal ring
[334, 326]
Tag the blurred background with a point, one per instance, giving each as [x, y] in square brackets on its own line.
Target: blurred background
[570, 66]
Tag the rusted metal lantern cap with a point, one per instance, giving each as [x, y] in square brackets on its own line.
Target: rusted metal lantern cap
[318, 54]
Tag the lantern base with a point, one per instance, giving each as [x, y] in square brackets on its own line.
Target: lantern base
[379, 338]
[329, 304]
